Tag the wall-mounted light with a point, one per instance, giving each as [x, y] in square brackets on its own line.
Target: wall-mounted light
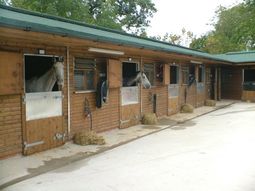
[129, 59]
[41, 51]
[196, 62]
[106, 51]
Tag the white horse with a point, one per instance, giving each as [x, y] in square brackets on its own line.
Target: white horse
[140, 78]
[46, 82]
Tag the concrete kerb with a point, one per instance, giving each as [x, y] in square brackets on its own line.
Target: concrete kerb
[81, 156]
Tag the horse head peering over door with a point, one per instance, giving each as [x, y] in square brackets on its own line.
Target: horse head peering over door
[46, 82]
[140, 78]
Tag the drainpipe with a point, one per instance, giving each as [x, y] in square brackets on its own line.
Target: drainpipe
[68, 93]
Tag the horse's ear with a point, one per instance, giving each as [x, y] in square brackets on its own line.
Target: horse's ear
[61, 59]
[54, 59]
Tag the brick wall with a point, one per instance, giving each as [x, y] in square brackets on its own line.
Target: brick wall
[161, 100]
[103, 118]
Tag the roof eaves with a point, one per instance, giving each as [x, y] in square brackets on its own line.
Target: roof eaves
[130, 40]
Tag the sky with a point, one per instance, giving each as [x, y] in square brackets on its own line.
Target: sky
[193, 15]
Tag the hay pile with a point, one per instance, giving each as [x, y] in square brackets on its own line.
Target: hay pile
[88, 138]
[210, 102]
[187, 108]
[149, 119]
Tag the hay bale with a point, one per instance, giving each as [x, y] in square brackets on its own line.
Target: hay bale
[187, 108]
[210, 103]
[149, 119]
[88, 138]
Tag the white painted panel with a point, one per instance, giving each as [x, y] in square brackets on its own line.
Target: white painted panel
[200, 88]
[129, 95]
[43, 105]
[173, 90]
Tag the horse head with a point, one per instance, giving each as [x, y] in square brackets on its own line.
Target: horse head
[59, 71]
[144, 80]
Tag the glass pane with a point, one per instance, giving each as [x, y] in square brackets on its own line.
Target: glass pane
[89, 79]
[149, 72]
[84, 63]
[185, 74]
[249, 75]
[174, 75]
[79, 80]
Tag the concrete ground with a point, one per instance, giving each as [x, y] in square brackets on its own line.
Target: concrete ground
[211, 152]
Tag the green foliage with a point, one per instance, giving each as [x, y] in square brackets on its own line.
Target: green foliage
[234, 30]
[72, 9]
[3, 2]
[199, 43]
[184, 38]
[116, 14]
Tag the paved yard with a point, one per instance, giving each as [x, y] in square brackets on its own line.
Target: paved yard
[212, 152]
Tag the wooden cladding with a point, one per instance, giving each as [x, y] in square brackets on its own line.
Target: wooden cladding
[114, 73]
[248, 96]
[166, 78]
[10, 73]
[10, 125]
[41, 134]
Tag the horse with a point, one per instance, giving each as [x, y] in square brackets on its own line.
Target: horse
[46, 82]
[139, 78]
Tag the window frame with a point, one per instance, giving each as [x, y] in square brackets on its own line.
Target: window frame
[177, 74]
[202, 69]
[137, 65]
[153, 83]
[186, 70]
[94, 69]
[244, 79]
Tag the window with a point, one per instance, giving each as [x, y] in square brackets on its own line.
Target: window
[84, 74]
[129, 72]
[159, 72]
[200, 73]
[208, 75]
[35, 67]
[149, 70]
[249, 75]
[249, 79]
[185, 75]
[174, 75]
[192, 75]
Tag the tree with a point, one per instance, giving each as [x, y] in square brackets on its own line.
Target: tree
[183, 39]
[3, 2]
[132, 16]
[199, 43]
[234, 30]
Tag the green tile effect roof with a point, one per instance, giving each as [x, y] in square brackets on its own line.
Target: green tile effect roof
[238, 57]
[27, 20]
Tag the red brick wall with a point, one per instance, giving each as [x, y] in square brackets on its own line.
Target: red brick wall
[162, 100]
[103, 118]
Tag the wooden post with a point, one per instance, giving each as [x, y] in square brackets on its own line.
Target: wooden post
[166, 77]
[215, 84]
[219, 84]
[114, 73]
